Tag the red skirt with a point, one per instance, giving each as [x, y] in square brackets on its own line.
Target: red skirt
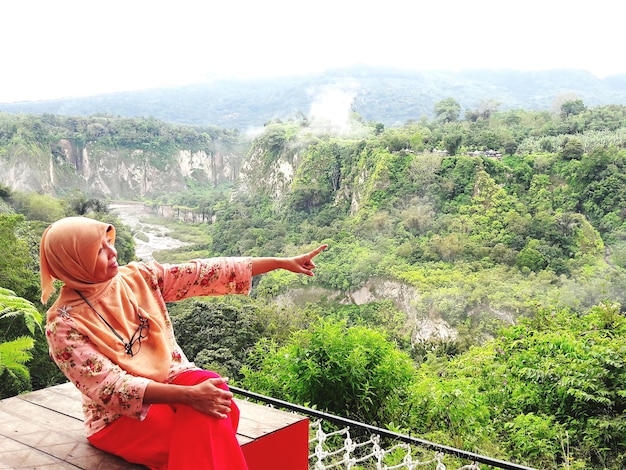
[176, 439]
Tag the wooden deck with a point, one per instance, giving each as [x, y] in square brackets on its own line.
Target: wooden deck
[44, 430]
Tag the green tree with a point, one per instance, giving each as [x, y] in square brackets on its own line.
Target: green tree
[447, 110]
[452, 139]
[44, 208]
[17, 270]
[531, 257]
[354, 372]
[573, 368]
[5, 193]
[217, 333]
[573, 148]
[79, 203]
[572, 108]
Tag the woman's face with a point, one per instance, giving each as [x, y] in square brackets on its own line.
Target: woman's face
[106, 263]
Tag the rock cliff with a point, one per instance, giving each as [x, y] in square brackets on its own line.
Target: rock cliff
[115, 172]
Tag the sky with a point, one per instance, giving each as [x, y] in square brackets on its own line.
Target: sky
[69, 48]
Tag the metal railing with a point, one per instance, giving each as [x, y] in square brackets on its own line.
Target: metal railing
[459, 453]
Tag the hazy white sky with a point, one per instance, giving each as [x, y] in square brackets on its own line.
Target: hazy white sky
[61, 48]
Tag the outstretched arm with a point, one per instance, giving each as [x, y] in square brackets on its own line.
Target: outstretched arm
[301, 264]
[209, 396]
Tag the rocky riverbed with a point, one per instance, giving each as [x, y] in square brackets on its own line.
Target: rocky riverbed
[131, 215]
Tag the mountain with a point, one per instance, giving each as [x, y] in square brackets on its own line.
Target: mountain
[387, 95]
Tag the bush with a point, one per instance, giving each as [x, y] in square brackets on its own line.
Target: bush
[353, 372]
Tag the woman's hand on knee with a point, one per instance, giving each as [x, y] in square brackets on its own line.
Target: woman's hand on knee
[210, 398]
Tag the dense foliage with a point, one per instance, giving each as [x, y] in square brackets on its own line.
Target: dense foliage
[216, 334]
[348, 371]
[556, 379]
[472, 292]
[113, 131]
[476, 233]
[531, 230]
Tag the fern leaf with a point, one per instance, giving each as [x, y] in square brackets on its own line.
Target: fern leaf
[12, 306]
[14, 354]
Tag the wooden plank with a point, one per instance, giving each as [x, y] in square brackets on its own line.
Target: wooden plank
[45, 437]
[255, 421]
[44, 429]
[258, 420]
[64, 399]
[14, 455]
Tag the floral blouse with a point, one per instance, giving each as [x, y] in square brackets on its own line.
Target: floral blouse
[110, 392]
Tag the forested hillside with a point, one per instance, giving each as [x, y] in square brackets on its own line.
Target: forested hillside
[387, 95]
[472, 292]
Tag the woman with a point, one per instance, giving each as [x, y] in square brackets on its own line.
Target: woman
[110, 333]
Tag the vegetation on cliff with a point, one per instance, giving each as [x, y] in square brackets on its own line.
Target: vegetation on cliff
[508, 226]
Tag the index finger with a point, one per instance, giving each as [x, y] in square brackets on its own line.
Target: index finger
[318, 250]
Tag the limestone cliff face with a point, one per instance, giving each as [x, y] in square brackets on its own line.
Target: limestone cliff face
[292, 168]
[26, 170]
[271, 177]
[112, 172]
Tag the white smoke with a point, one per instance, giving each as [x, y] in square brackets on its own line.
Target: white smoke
[331, 109]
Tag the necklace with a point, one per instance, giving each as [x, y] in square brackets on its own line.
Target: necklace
[133, 345]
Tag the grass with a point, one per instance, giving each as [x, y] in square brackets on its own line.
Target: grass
[141, 236]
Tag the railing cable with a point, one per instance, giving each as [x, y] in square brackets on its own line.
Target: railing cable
[381, 431]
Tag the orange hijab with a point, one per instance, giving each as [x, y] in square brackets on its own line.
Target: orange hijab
[68, 252]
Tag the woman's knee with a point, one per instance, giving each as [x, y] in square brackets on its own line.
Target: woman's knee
[193, 377]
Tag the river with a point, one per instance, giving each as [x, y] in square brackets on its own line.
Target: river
[131, 215]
